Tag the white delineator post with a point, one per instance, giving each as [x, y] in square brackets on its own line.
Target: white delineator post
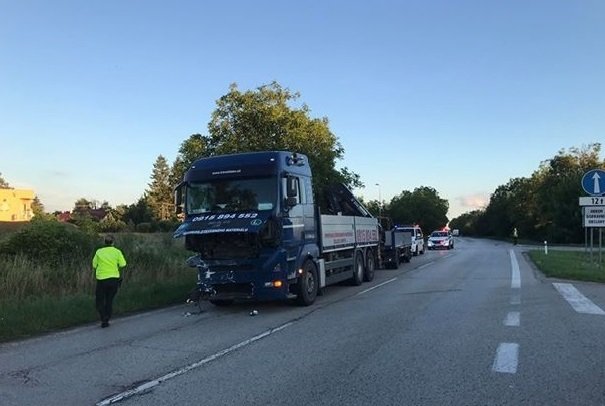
[545, 248]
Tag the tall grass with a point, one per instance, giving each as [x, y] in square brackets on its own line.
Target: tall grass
[38, 296]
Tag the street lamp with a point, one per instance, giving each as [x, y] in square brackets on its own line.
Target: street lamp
[379, 201]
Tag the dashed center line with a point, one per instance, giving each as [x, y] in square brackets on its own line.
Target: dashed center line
[577, 300]
[507, 354]
[515, 282]
[513, 319]
[507, 358]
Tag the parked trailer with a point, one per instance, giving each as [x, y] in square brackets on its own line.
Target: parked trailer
[258, 233]
[397, 248]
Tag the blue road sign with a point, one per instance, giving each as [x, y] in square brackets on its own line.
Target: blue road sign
[593, 182]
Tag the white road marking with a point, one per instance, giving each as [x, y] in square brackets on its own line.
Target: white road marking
[578, 301]
[515, 298]
[515, 282]
[507, 358]
[425, 265]
[377, 286]
[155, 382]
[513, 319]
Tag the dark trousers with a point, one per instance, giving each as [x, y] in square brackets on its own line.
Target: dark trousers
[105, 292]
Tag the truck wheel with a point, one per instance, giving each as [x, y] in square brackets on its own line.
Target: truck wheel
[358, 270]
[370, 266]
[308, 284]
[221, 302]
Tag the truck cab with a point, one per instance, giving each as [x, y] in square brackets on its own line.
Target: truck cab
[249, 217]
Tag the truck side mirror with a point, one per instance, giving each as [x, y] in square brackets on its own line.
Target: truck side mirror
[178, 198]
[291, 189]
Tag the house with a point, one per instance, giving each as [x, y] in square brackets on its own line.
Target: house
[16, 204]
[63, 216]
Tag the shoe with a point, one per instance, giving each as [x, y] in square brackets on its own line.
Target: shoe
[105, 324]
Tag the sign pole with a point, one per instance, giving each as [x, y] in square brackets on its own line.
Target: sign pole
[591, 244]
[585, 240]
[600, 247]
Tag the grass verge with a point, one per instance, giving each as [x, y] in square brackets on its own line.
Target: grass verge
[35, 315]
[37, 298]
[574, 265]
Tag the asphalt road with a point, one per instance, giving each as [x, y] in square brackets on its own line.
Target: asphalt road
[473, 326]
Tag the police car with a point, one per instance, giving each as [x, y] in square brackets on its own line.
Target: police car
[440, 239]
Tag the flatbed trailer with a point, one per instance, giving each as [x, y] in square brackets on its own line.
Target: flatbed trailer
[397, 248]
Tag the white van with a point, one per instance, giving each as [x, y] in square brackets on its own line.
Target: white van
[417, 238]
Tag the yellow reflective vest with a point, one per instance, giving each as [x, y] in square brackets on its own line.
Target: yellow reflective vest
[107, 262]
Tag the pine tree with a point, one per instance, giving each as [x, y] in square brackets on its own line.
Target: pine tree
[3, 184]
[160, 190]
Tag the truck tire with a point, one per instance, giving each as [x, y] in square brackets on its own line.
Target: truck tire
[221, 302]
[358, 270]
[368, 276]
[308, 284]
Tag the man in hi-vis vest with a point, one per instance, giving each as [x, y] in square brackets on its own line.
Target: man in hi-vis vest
[107, 263]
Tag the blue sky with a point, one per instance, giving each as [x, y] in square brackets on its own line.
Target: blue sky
[457, 95]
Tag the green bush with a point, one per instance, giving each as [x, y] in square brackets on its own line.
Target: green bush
[168, 225]
[144, 228]
[50, 243]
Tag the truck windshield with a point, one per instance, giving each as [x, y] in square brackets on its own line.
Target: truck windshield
[227, 195]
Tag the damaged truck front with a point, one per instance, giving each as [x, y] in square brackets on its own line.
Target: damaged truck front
[252, 221]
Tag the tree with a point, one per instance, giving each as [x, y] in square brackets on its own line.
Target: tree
[37, 207]
[3, 184]
[467, 223]
[191, 149]
[82, 207]
[557, 186]
[81, 215]
[139, 212]
[423, 206]
[265, 119]
[544, 206]
[160, 198]
[112, 222]
[373, 207]
[511, 205]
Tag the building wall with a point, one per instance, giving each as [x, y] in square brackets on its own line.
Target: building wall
[16, 204]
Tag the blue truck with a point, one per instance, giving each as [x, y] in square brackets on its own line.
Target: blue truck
[256, 228]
